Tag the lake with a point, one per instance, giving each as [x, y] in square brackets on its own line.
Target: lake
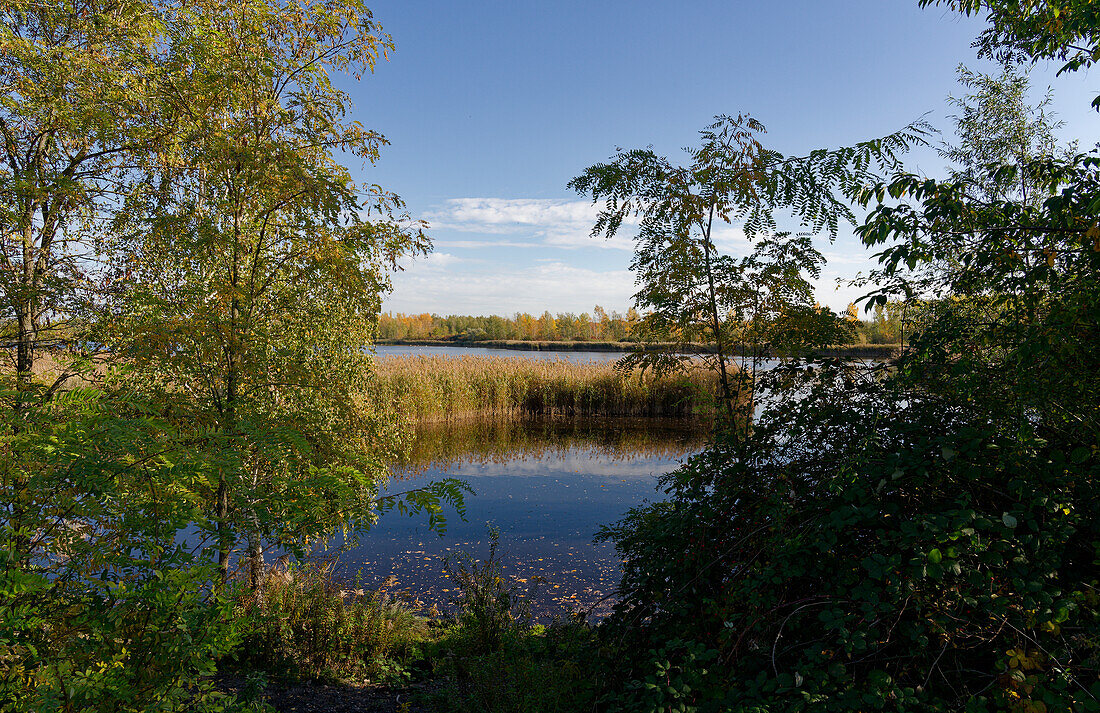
[547, 484]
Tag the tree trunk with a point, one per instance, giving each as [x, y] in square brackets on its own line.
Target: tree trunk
[719, 347]
[225, 539]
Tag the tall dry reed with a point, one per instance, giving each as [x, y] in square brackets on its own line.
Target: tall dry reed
[434, 388]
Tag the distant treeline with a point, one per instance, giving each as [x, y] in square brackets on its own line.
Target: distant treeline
[850, 351]
[884, 326]
[564, 326]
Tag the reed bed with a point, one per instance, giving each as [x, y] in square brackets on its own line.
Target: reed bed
[426, 389]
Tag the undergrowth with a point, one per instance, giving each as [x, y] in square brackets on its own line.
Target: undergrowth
[303, 624]
[495, 660]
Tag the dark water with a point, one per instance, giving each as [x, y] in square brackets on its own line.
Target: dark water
[548, 485]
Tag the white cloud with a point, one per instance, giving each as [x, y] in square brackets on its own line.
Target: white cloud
[859, 259]
[437, 260]
[505, 289]
[557, 280]
[576, 239]
[536, 222]
[731, 240]
[547, 223]
[473, 244]
[521, 211]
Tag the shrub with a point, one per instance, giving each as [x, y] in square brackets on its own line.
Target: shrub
[492, 609]
[100, 609]
[496, 660]
[868, 547]
[546, 670]
[304, 624]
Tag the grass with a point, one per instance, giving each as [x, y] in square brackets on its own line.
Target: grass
[304, 624]
[494, 660]
[424, 389]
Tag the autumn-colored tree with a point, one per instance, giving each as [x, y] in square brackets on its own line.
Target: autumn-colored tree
[79, 101]
[254, 270]
[547, 326]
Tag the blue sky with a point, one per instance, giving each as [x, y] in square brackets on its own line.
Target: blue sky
[492, 107]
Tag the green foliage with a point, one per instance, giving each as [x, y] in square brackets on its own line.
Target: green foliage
[920, 537]
[998, 126]
[870, 547]
[888, 325]
[249, 274]
[100, 608]
[549, 669]
[492, 610]
[79, 105]
[1025, 31]
[495, 659]
[1024, 299]
[690, 291]
[302, 623]
[170, 192]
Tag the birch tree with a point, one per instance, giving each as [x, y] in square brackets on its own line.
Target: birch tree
[254, 271]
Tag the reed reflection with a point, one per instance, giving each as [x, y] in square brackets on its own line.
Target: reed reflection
[445, 446]
[549, 484]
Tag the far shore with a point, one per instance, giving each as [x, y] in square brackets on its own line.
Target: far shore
[849, 351]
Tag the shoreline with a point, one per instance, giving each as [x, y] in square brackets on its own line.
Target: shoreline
[849, 351]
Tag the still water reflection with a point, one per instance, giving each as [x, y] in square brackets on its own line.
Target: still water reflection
[547, 484]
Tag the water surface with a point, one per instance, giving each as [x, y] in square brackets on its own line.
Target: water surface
[578, 356]
[548, 485]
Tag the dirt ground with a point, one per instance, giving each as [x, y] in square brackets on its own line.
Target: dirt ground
[321, 698]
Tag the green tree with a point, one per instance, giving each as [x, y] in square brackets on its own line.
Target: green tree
[99, 607]
[1027, 32]
[997, 125]
[922, 537]
[171, 192]
[254, 270]
[690, 291]
[80, 91]
[78, 101]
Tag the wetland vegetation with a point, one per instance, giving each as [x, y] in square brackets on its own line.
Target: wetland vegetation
[428, 388]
